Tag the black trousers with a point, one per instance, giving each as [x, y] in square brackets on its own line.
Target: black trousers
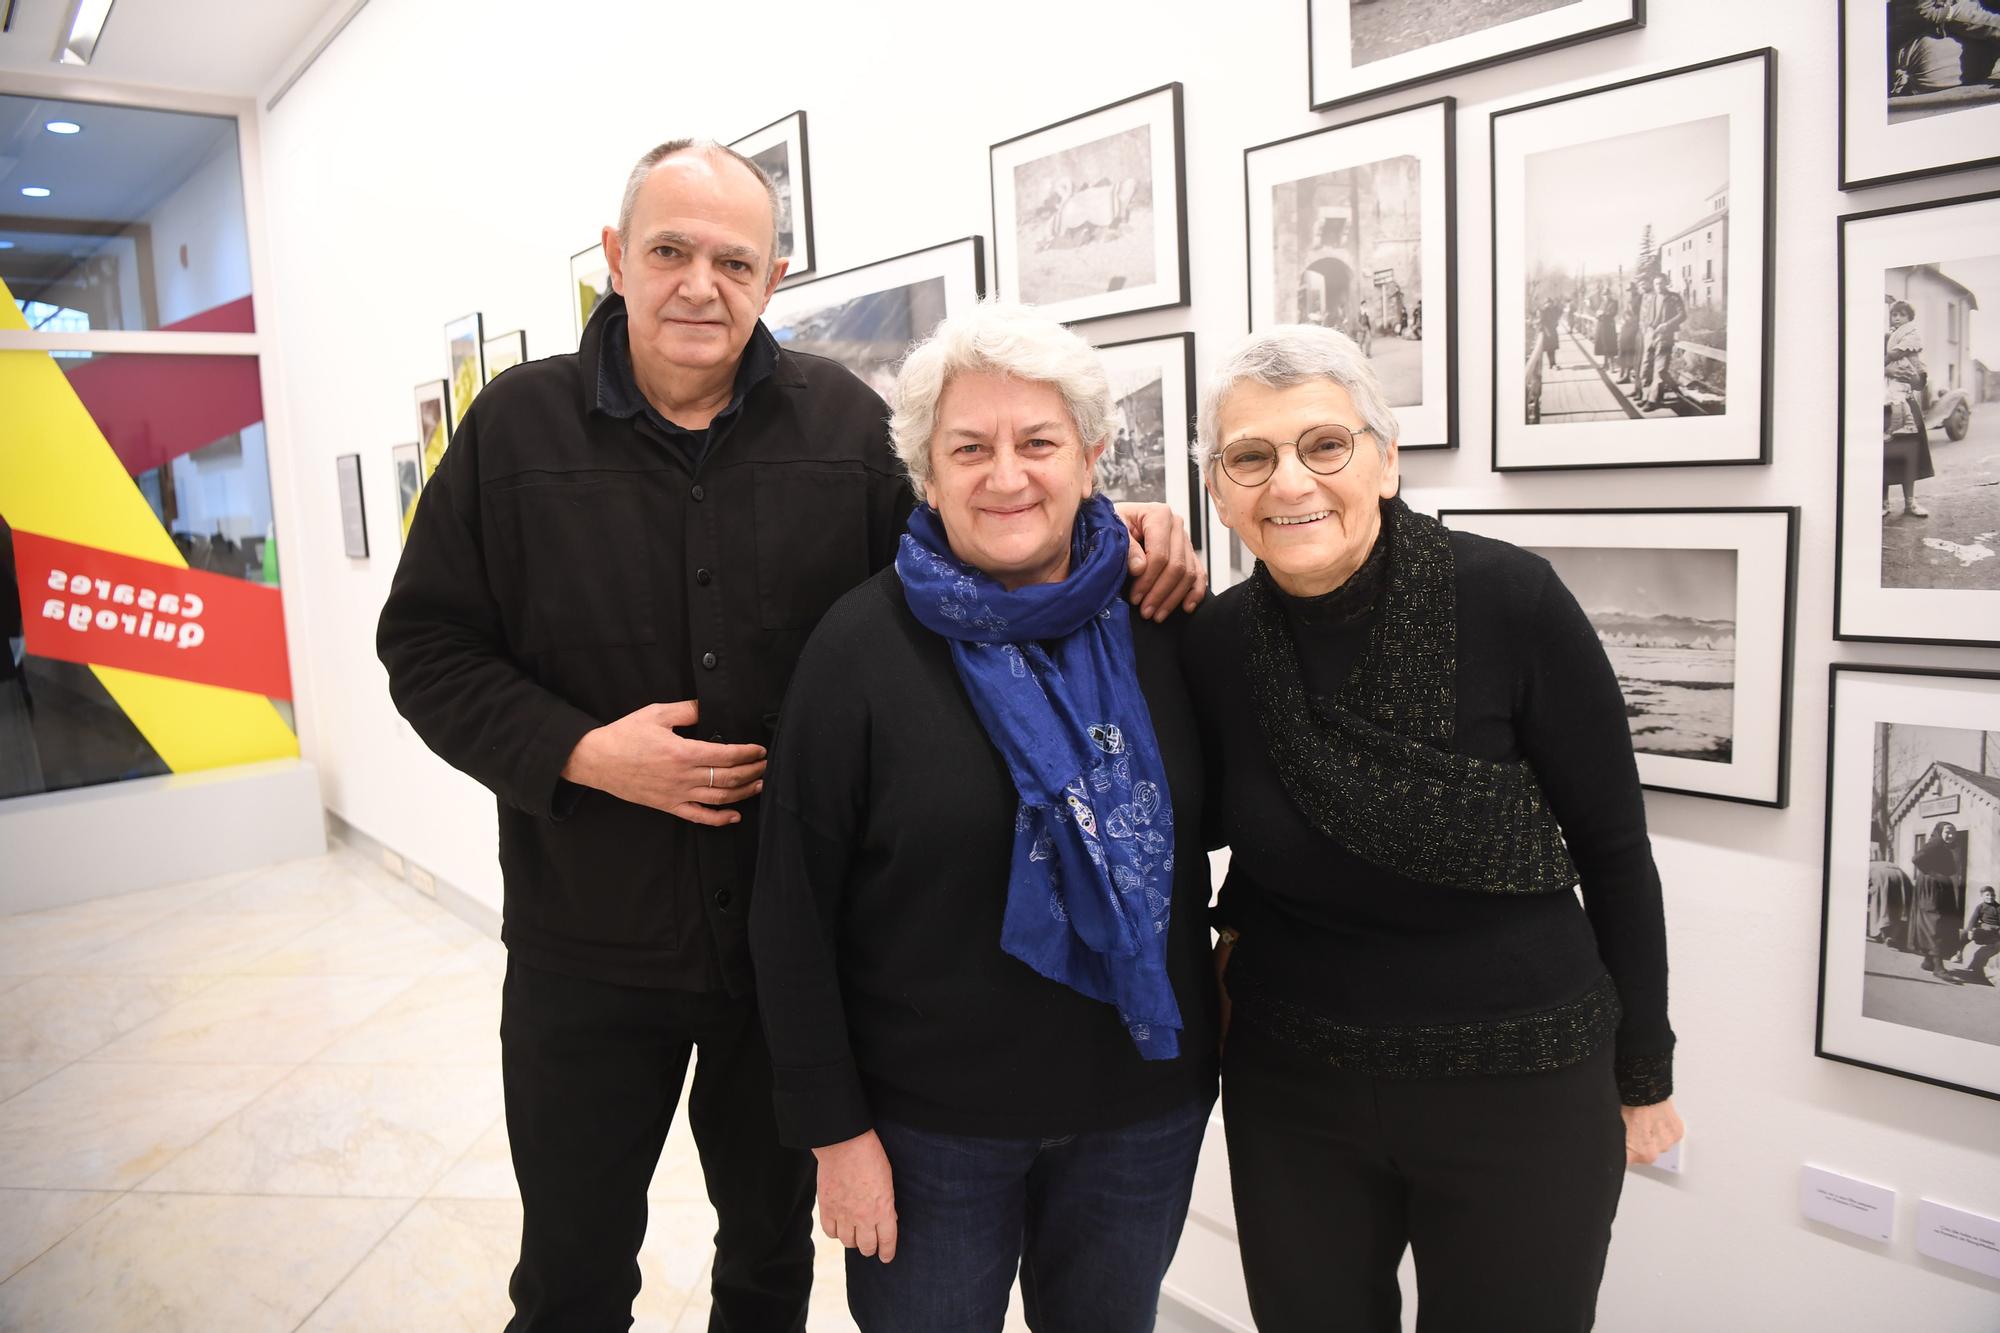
[592, 1073]
[1503, 1186]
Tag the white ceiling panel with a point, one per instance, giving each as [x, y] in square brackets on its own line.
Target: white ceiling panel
[227, 47]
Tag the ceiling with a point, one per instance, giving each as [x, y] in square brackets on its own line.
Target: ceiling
[121, 164]
[233, 48]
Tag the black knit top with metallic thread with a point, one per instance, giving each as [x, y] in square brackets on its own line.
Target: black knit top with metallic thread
[1410, 773]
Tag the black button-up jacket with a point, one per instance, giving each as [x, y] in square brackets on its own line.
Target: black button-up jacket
[571, 562]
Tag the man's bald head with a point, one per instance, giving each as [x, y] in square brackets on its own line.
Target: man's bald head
[714, 152]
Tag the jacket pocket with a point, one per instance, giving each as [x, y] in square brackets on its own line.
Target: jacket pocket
[576, 564]
[812, 540]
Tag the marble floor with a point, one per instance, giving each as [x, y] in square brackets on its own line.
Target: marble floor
[272, 1101]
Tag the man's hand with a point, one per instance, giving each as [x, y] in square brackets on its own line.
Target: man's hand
[857, 1196]
[1650, 1131]
[1166, 570]
[641, 759]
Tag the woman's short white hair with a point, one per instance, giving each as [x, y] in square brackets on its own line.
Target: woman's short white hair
[1287, 355]
[999, 338]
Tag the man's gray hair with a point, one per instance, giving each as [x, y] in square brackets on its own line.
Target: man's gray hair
[708, 148]
[998, 338]
[1287, 355]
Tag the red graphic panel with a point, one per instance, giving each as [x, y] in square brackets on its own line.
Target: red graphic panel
[81, 604]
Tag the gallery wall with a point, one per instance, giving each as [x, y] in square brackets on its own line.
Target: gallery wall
[444, 158]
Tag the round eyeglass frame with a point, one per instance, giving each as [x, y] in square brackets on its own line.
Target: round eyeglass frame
[1353, 442]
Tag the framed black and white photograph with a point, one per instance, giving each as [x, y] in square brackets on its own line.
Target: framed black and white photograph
[1090, 214]
[465, 356]
[589, 283]
[1910, 929]
[1359, 48]
[1918, 554]
[504, 352]
[1632, 239]
[867, 317]
[1919, 88]
[408, 461]
[1353, 227]
[433, 424]
[1149, 458]
[780, 149]
[1694, 609]
[353, 517]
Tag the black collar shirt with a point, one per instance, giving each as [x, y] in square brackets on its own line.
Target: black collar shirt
[576, 558]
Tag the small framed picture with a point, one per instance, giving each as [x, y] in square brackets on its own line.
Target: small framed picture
[1632, 237]
[780, 149]
[1361, 48]
[1354, 227]
[465, 354]
[1090, 213]
[1918, 554]
[433, 424]
[1919, 91]
[589, 283]
[353, 517]
[504, 352]
[866, 318]
[1909, 927]
[408, 461]
[1694, 609]
[1148, 458]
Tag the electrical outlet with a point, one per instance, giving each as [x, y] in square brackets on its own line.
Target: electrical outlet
[392, 863]
[425, 882]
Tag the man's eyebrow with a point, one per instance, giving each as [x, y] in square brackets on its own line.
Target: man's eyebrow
[687, 242]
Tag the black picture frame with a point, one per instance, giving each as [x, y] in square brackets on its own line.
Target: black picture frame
[432, 400]
[465, 363]
[589, 283]
[1763, 632]
[1177, 358]
[1169, 287]
[353, 509]
[1607, 440]
[1858, 821]
[502, 352]
[1864, 611]
[1478, 56]
[790, 130]
[960, 266]
[1422, 429]
[1868, 146]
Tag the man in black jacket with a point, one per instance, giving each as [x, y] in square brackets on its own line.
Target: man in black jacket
[606, 586]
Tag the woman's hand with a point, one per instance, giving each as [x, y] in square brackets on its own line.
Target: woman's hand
[857, 1196]
[1650, 1130]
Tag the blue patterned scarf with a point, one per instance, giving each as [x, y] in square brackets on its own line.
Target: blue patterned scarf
[1050, 672]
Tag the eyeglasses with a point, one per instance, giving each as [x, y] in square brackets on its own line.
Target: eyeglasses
[1323, 450]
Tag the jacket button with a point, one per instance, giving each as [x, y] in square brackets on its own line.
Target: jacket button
[723, 898]
[708, 661]
[703, 577]
[699, 494]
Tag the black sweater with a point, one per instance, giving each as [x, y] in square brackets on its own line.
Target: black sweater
[1346, 942]
[881, 880]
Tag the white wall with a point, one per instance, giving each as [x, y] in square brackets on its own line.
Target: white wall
[204, 213]
[445, 158]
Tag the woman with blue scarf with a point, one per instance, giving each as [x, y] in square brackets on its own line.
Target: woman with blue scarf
[979, 930]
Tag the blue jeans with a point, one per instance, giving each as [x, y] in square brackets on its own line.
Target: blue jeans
[1091, 1220]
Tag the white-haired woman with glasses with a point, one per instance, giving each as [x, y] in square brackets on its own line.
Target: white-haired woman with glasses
[979, 929]
[1417, 750]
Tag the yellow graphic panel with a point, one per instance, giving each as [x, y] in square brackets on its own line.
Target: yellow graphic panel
[60, 477]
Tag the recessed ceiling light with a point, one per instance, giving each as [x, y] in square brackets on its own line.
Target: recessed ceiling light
[35, 191]
[64, 127]
[6, 245]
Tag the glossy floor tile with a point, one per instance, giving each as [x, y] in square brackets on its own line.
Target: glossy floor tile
[272, 1101]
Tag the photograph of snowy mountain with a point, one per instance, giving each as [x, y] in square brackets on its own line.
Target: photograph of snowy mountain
[1667, 620]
